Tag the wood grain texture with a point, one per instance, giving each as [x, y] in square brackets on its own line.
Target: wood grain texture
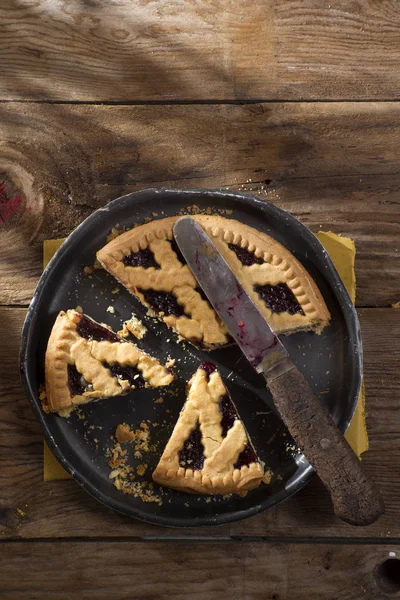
[128, 50]
[198, 571]
[355, 497]
[334, 165]
[31, 508]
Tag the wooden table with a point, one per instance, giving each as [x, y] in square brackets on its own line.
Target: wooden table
[294, 100]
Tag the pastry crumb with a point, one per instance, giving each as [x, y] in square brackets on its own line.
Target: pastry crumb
[113, 234]
[141, 469]
[133, 326]
[88, 270]
[142, 490]
[267, 477]
[79, 309]
[396, 305]
[159, 400]
[124, 434]
[110, 309]
[115, 290]
[170, 362]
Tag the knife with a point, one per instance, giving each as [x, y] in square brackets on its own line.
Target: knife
[355, 498]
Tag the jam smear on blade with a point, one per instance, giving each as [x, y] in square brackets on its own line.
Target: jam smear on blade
[279, 298]
[246, 257]
[208, 367]
[246, 457]
[164, 302]
[131, 374]
[229, 414]
[91, 330]
[75, 384]
[192, 454]
[177, 251]
[143, 258]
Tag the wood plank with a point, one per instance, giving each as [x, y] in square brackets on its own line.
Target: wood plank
[227, 570]
[334, 165]
[31, 508]
[139, 51]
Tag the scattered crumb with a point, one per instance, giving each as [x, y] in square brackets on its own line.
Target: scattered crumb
[267, 477]
[396, 305]
[133, 326]
[79, 309]
[88, 270]
[208, 499]
[21, 512]
[124, 434]
[140, 437]
[170, 362]
[114, 234]
[279, 477]
[97, 265]
[327, 372]
[141, 469]
[122, 474]
[154, 214]
[115, 290]
[110, 309]
[142, 490]
[159, 400]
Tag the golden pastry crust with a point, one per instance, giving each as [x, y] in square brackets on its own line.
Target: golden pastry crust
[66, 347]
[218, 474]
[199, 323]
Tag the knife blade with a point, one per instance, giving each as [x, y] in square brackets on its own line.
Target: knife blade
[355, 497]
[245, 323]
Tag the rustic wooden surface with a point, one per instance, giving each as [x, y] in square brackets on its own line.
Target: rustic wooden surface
[295, 101]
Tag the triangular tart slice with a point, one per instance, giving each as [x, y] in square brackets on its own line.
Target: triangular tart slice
[209, 451]
[87, 361]
[147, 261]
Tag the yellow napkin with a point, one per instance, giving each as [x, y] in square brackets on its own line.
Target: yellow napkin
[342, 252]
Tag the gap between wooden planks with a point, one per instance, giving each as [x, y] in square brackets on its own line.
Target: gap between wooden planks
[263, 49]
[334, 165]
[225, 570]
[31, 508]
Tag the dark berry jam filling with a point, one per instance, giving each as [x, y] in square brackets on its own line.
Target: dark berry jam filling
[192, 454]
[229, 414]
[131, 374]
[208, 367]
[163, 302]
[75, 381]
[246, 457]
[142, 258]
[279, 298]
[246, 257]
[91, 330]
[177, 251]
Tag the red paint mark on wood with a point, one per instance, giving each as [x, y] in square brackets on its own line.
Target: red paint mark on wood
[8, 206]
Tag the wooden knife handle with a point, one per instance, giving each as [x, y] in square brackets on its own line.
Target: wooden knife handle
[355, 498]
